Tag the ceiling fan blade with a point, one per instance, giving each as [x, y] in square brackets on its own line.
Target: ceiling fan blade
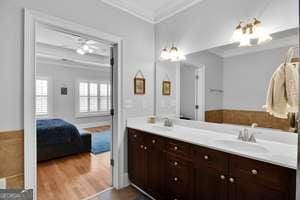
[93, 47]
[91, 42]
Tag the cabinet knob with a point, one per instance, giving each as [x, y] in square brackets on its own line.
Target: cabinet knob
[175, 163]
[254, 171]
[175, 199]
[135, 135]
[222, 177]
[175, 179]
[145, 148]
[153, 141]
[142, 146]
[206, 157]
[231, 180]
[175, 148]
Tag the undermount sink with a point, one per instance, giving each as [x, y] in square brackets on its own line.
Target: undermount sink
[161, 128]
[243, 146]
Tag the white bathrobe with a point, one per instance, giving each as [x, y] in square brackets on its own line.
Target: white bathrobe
[283, 91]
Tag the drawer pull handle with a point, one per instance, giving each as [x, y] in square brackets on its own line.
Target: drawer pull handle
[175, 148]
[222, 177]
[175, 199]
[175, 163]
[153, 141]
[254, 172]
[142, 146]
[231, 180]
[206, 157]
[145, 148]
[135, 135]
[175, 179]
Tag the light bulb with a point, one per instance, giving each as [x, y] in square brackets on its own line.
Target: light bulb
[174, 54]
[261, 33]
[85, 47]
[80, 51]
[237, 34]
[245, 41]
[164, 55]
[181, 56]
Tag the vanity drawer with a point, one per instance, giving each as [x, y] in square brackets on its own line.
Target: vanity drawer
[179, 148]
[210, 158]
[267, 174]
[175, 164]
[154, 141]
[134, 134]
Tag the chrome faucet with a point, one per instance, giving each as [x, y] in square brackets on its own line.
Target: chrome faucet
[245, 136]
[168, 122]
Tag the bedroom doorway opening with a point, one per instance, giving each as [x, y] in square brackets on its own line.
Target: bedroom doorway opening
[74, 113]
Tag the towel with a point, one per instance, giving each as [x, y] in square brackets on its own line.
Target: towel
[282, 95]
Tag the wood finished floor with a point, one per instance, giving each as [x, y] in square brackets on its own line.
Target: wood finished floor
[74, 177]
[128, 193]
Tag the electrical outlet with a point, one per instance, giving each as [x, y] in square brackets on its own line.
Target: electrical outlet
[2, 183]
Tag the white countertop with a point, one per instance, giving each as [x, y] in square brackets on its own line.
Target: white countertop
[278, 153]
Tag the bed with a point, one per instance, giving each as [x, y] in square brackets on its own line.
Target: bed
[57, 138]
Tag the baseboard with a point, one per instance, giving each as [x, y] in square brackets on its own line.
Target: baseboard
[142, 191]
[126, 181]
[94, 124]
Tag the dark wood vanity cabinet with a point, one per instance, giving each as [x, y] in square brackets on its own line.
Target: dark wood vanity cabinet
[170, 169]
[145, 162]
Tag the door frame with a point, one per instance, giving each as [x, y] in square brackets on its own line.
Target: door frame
[31, 20]
[200, 72]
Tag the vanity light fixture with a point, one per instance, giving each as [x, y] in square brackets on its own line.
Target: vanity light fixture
[173, 54]
[244, 32]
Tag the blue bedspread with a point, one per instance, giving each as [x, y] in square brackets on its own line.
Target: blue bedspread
[56, 131]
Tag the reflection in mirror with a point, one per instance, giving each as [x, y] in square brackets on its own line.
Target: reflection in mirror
[230, 83]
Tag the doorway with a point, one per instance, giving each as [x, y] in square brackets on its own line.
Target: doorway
[40, 92]
[192, 92]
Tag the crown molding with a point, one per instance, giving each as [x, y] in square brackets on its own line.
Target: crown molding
[132, 9]
[153, 17]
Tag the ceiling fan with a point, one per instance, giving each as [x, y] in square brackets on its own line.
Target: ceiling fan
[84, 45]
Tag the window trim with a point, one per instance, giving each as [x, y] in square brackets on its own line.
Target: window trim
[79, 114]
[49, 97]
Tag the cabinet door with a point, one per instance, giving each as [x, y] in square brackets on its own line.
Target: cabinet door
[154, 166]
[136, 158]
[249, 190]
[251, 179]
[210, 184]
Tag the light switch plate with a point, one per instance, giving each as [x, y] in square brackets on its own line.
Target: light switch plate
[2, 183]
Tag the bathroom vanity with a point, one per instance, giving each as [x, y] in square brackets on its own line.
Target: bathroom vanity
[199, 164]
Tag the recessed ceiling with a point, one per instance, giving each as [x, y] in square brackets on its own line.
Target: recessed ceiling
[152, 11]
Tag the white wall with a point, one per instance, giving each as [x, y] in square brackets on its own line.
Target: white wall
[246, 78]
[63, 106]
[167, 104]
[213, 76]
[138, 50]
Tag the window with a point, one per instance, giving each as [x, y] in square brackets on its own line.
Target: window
[94, 98]
[42, 102]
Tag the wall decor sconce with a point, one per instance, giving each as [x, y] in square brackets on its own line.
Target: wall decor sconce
[245, 31]
[173, 54]
[166, 88]
[139, 83]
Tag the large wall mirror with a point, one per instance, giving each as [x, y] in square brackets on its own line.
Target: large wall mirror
[228, 84]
